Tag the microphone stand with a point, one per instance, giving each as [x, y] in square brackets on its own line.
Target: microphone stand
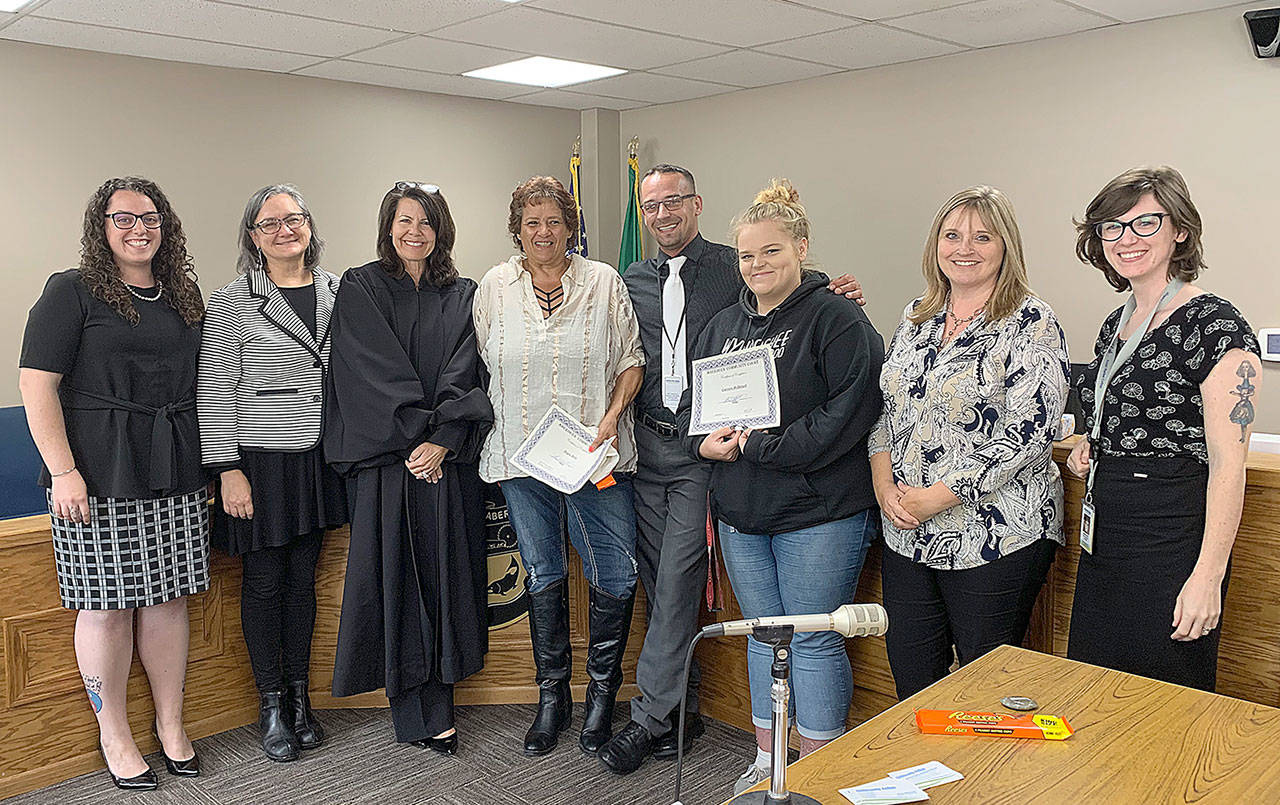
[779, 638]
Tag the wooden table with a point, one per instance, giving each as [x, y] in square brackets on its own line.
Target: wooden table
[1136, 741]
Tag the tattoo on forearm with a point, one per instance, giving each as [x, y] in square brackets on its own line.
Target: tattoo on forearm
[93, 687]
[1242, 412]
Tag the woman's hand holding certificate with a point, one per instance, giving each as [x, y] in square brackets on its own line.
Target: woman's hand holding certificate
[558, 453]
[738, 390]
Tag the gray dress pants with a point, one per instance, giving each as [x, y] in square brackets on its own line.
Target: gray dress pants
[671, 515]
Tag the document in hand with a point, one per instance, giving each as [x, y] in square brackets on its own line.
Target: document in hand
[735, 389]
[555, 452]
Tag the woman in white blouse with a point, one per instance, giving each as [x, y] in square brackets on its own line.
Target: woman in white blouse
[555, 328]
[962, 457]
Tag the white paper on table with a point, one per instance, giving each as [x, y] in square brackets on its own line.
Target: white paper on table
[735, 389]
[927, 775]
[556, 453]
[884, 792]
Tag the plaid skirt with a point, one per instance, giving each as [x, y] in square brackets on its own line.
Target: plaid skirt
[133, 552]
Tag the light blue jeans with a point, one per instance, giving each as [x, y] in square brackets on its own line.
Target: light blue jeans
[803, 572]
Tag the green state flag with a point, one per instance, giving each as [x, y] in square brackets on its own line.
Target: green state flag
[632, 233]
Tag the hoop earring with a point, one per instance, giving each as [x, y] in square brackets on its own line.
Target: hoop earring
[261, 260]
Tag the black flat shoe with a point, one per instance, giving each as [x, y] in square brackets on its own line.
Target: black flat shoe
[178, 768]
[447, 745]
[142, 782]
[664, 746]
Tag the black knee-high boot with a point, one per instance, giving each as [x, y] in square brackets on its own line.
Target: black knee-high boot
[610, 624]
[549, 629]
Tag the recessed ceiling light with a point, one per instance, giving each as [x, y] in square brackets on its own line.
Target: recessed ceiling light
[12, 5]
[540, 71]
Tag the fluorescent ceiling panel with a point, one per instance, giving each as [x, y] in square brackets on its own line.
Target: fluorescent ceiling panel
[541, 71]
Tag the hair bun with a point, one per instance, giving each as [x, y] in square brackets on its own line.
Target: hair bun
[779, 191]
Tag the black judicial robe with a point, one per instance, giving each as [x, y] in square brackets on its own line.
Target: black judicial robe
[404, 370]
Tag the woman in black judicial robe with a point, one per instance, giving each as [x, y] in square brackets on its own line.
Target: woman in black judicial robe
[409, 412]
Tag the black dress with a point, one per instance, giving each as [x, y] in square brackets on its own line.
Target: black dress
[404, 370]
[128, 400]
[1149, 495]
[294, 493]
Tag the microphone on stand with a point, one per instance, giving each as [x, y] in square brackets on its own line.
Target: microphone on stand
[850, 620]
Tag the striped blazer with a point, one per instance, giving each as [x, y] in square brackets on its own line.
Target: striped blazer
[261, 381]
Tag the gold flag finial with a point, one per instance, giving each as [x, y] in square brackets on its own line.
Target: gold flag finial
[577, 146]
[633, 147]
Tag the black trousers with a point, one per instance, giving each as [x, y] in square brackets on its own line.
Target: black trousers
[278, 610]
[974, 610]
[422, 712]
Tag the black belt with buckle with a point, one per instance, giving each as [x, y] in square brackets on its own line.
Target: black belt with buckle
[664, 429]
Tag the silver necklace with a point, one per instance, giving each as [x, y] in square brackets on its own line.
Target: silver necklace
[159, 292]
[966, 319]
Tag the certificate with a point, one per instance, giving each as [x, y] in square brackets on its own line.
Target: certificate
[556, 453]
[737, 390]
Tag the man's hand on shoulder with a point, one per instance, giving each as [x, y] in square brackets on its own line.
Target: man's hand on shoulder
[847, 286]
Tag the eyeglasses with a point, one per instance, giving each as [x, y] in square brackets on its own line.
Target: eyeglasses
[270, 226]
[429, 189]
[126, 220]
[1144, 226]
[672, 203]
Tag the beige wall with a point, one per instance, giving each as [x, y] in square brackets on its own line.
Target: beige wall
[211, 136]
[874, 153]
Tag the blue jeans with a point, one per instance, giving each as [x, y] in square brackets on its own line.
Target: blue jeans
[803, 572]
[602, 528]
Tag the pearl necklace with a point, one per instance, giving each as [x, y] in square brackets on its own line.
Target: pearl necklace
[159, 292]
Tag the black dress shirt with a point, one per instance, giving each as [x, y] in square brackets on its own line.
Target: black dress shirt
[711, 284]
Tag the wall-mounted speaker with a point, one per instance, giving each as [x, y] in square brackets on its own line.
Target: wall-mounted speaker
[1264, 30]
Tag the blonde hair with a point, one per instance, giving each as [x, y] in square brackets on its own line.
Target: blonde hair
[996, 212]
[779, 202]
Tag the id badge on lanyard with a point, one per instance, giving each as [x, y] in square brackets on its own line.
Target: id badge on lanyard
[1110, 364]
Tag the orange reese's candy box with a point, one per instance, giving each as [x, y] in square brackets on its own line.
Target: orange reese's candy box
[1000, 725]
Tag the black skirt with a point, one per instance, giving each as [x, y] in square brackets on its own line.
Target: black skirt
[1149, 525]
[294, 494]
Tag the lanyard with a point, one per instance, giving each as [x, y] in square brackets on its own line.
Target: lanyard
[684, 311]
[1112, 360]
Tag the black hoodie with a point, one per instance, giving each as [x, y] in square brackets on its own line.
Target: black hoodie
[812, 468]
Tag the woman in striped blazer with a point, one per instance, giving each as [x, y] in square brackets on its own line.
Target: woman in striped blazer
[260, 401]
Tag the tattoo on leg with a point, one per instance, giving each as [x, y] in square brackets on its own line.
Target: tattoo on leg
[1242, 413]
[93, 687]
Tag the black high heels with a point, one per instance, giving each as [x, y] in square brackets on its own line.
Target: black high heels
[178, 768]
[142, 782]
[448, 745]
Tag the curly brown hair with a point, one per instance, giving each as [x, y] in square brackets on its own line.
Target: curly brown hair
[440, 270]
[542, 188]
[171, 266]
[1118, 197]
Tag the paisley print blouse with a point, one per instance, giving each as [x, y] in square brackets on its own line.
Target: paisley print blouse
[1153, 405]
[979, 415]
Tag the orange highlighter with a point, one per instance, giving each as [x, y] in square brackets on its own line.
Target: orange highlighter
[1000, 725]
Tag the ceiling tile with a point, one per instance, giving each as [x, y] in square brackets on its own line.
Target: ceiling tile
[152, 46]
[863, 46]
[998, 22]
[6, 18]
[741, 23]
[531, 30]
[437, 55]
[878, 9]
[216, 22]
[1133, 10]
[650, 88]
[575, 100]
[747, 68]
[413, 79]
[411, 16]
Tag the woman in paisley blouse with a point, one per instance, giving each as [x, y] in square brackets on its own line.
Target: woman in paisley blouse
[962, 457]
[1167, 457]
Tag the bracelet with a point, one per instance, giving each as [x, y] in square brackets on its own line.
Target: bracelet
[64, 472]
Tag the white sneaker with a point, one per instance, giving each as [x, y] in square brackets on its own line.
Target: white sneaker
[750, 777]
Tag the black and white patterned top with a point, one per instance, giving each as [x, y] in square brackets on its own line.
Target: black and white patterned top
[979, 415]
[1153, 407]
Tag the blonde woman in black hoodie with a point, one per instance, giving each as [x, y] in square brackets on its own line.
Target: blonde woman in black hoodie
[795, 504]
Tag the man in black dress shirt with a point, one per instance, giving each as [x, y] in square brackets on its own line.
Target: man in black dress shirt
[674, 293]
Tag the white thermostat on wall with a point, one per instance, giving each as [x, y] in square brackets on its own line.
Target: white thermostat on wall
[1269, 338]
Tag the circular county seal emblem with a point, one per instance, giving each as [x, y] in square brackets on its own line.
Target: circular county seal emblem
[508, 599]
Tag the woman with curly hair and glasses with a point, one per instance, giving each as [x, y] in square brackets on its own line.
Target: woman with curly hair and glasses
[108, 379]
[406, 414]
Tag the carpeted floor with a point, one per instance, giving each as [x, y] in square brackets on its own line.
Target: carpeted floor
[361, 763]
